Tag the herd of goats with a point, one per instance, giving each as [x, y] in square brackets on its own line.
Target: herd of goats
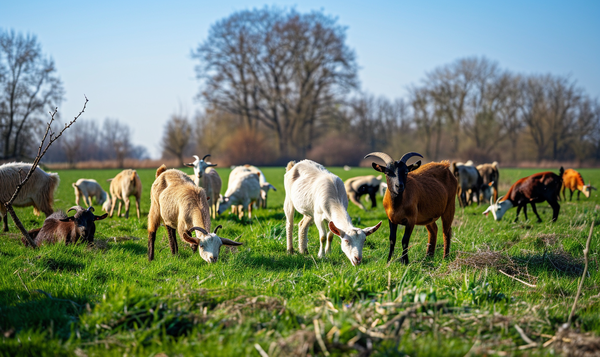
[413, 195]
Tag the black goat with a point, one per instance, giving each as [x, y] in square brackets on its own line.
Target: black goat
[58, 227]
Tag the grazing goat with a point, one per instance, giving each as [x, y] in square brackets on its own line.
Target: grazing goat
[356, 187]
[89, 188]
[38, 191]
[126, 183]
[490, 174]
[417, 196]
[207, 178]
[574, 182]
[319, 195]
[243, 189]
[182, 206]
[60, 228]
[540, 187]
[469, 182]
[264, 186]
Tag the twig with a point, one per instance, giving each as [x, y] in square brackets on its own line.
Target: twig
[523, 335]
[260, 350]
[35, 164]
[319, 337]
[585, 256]
[313, 258]
[517, 279]
[49, 296]
[22, 282]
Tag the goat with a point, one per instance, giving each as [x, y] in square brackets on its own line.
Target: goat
[60, 228]
[537, 188]
[243, 189]
[574, 182]
[319, 195]
[89, 188]
[469, 180]
[264, 186]
[126, 183]
[358, 186]
[182, 206]
[417, 195]
[38, 191]
[207, 178]
[490, 173]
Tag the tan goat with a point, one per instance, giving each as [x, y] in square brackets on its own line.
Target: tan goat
[182, 206]
[126, 183]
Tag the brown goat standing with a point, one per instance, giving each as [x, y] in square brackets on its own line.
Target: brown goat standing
[573, 181]
[417, 196]
[126, 183]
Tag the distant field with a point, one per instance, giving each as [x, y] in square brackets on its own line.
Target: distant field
[109, 300]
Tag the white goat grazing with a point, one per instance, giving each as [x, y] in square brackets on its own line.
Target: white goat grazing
[207, 178]
[88, 189]
[182, 206]
[37, 192]
[264, 186]
[243, 189]
[126, 183]
[320, 195]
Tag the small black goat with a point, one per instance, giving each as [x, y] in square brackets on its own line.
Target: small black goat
[58, 227]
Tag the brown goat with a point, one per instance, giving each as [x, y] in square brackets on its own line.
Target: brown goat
[574, 182]
[126, 183]
[58, 227]
[418, 196]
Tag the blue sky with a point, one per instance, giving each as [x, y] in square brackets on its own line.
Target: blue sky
[132, 58]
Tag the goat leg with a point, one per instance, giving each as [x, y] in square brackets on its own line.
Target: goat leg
[151, 239]
[408, 229]
[535, 211]
[393, 231]
[172, 240]
[5, 220]
[555, 210]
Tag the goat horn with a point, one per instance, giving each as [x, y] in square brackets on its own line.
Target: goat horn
[75, 208]
[91, 209]
[217, 228]
[205, 156]
[383, 156]
[196, 157]
[409, 155]
[202, 230]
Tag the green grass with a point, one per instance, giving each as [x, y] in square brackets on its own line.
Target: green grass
[109, 300]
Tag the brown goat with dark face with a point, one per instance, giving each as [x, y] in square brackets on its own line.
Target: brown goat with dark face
[58, 227]
[417, 196]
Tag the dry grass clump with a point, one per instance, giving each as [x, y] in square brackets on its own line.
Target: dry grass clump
[487, 258]
[558, 259]
[572, 343]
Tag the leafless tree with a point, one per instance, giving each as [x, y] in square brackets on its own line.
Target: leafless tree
[177, 136]
[116, 138]
[28, 87]
[280, 69]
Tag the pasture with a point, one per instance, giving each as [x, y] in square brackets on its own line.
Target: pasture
[258, 300]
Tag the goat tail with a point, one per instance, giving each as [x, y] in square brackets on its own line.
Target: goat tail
[561, 171]
[160, 170]
[290, 165]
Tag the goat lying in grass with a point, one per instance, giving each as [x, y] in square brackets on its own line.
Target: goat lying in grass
[58, 227]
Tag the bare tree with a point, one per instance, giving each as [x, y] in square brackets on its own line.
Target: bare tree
[116, 138]
[282, 70]
[28, 87]
[176, 137]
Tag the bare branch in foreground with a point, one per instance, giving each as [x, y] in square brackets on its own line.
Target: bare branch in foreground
[585, 256]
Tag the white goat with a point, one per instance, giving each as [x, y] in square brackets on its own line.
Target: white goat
[182, 206]
[264, 186]
[320, 195]
[88, 189]
[37, 192]
[207, 178]
[243, 189]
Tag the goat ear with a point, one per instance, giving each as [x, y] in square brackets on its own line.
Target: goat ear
[334, 229]
[192, 240]
[414, 166]
[379, 168]
[272, 187]
[189, 165]
[226, 241]
[371, 230]
[491, 184]
[98, 218]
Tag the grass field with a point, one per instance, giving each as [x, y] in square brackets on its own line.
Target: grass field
[257, 299]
